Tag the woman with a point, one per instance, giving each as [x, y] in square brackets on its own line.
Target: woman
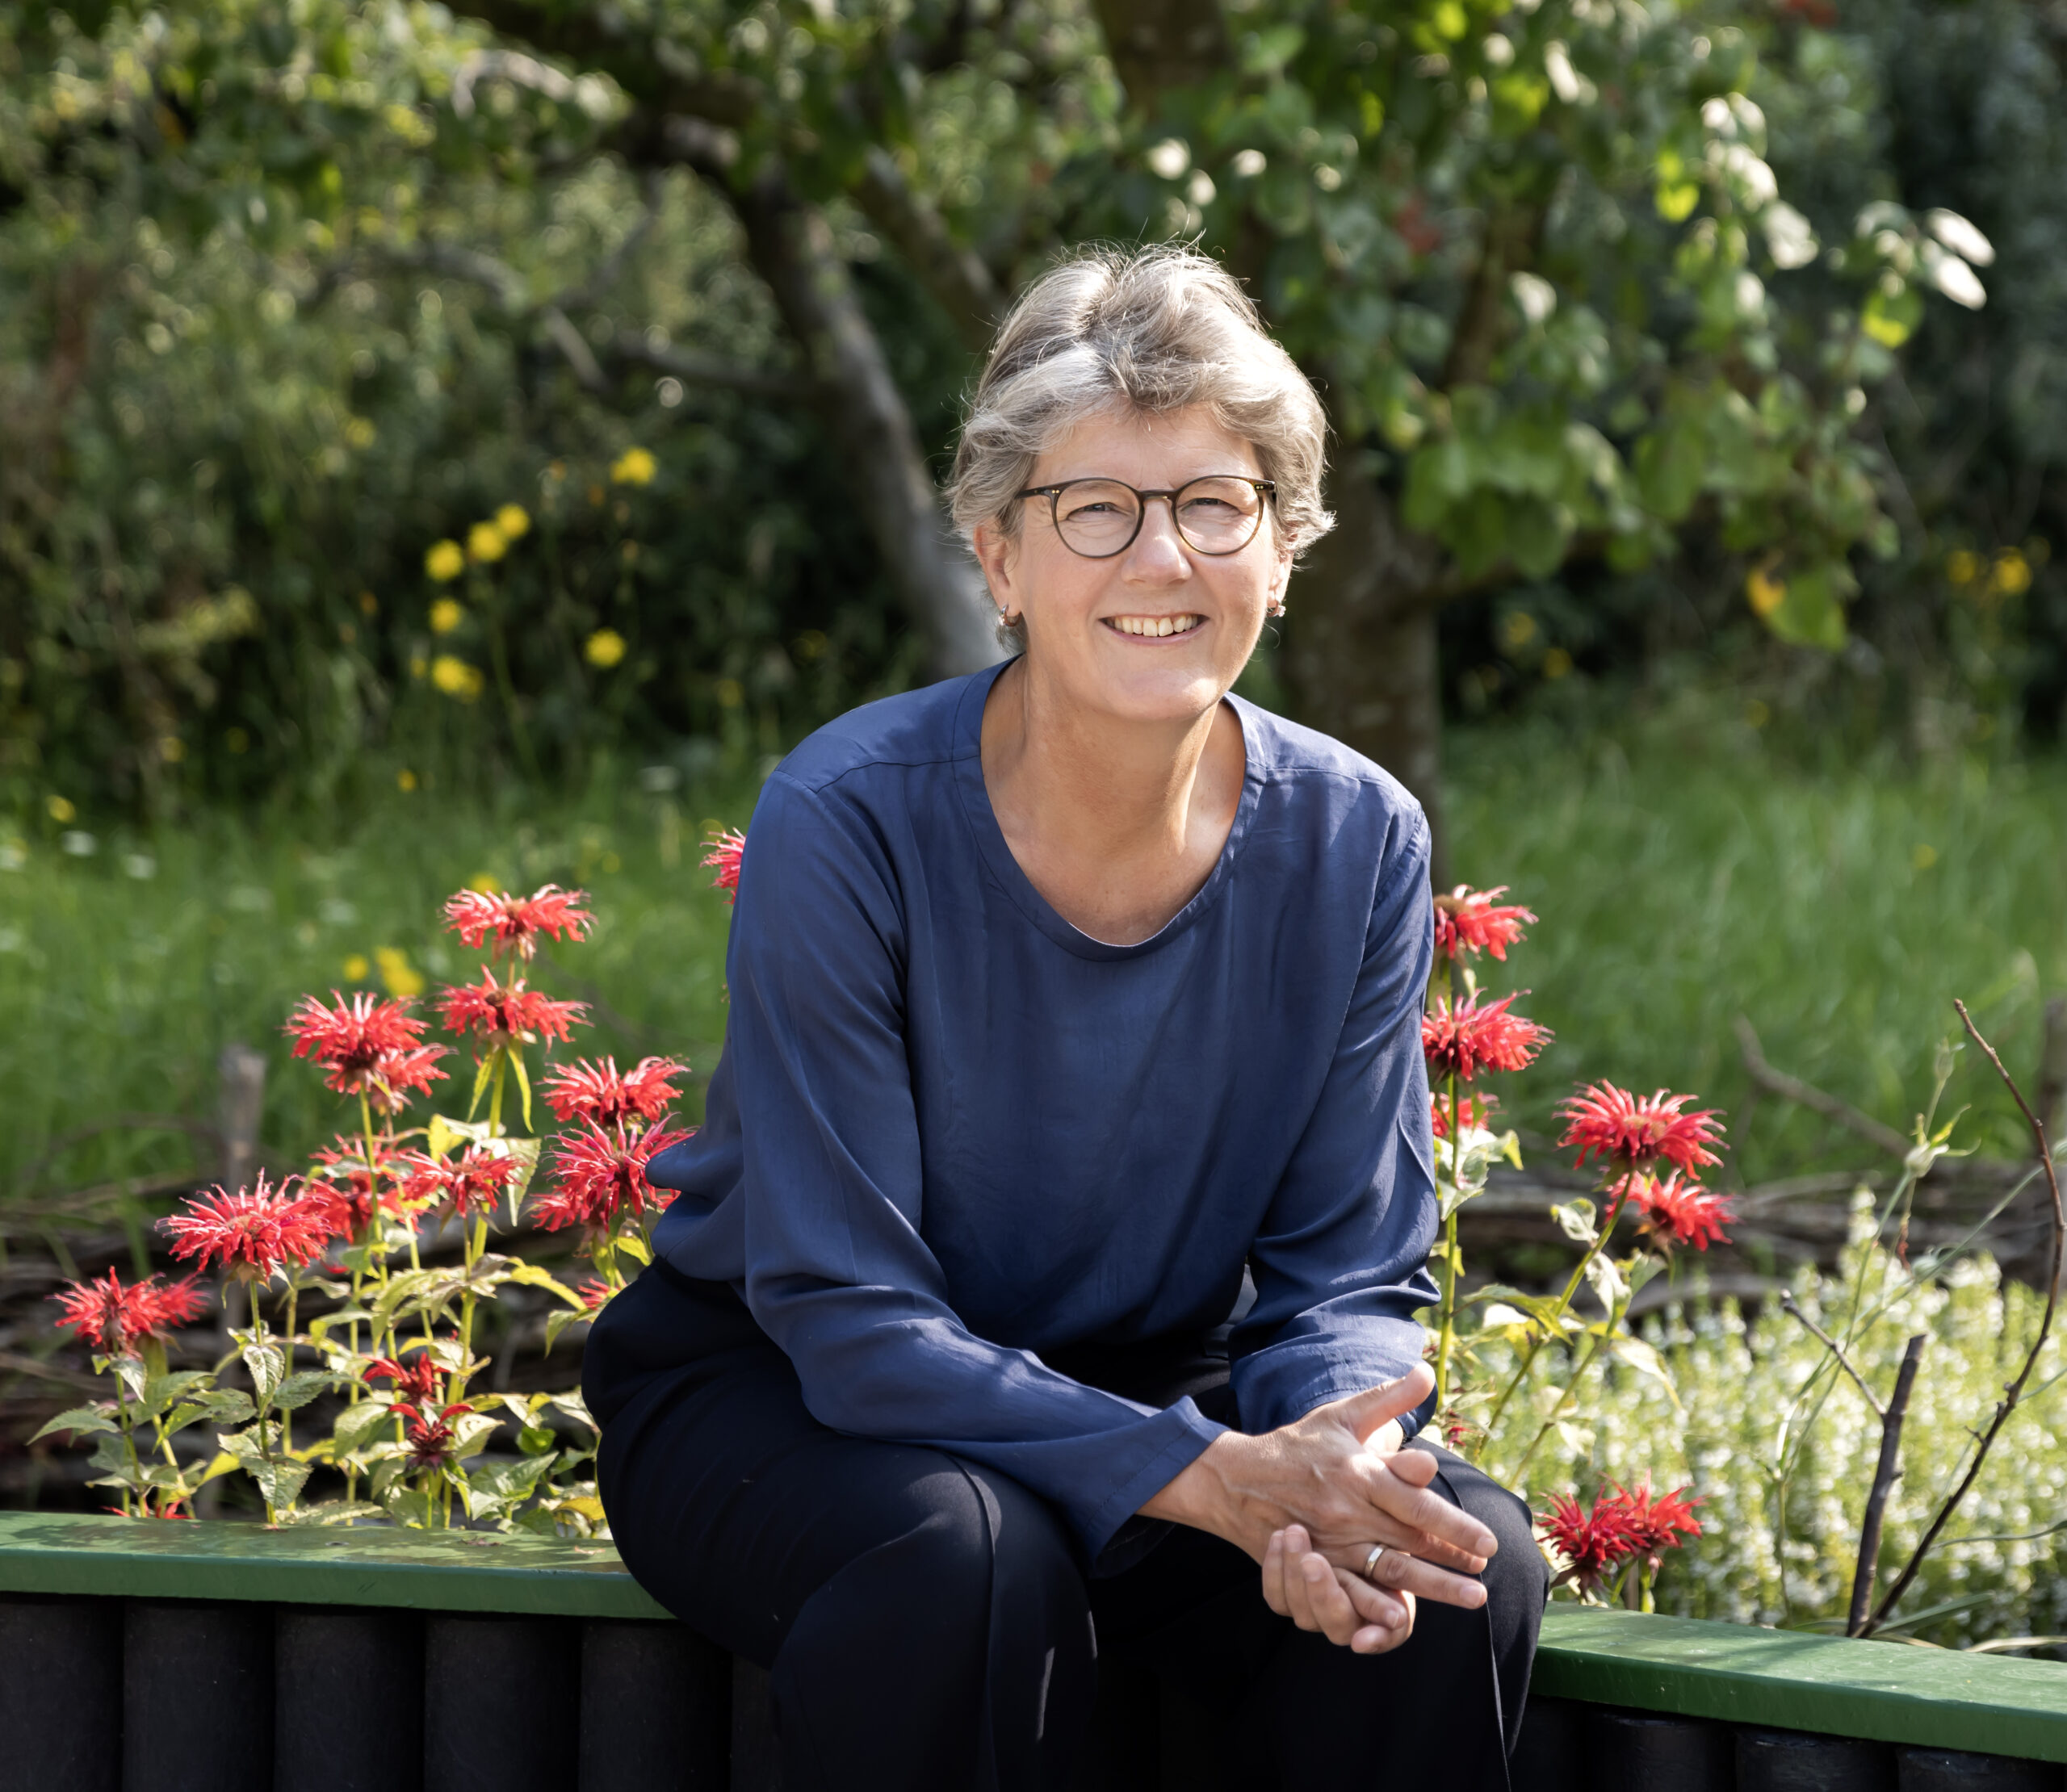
[1073, 1004]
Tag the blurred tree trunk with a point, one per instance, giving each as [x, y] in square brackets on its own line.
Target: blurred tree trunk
[1359, 642]
[866, 417]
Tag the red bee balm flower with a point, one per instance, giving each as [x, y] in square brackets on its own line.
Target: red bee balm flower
[1658, 1521]
[365, 1046]
[1467, 920]
[116, 1319]
[416, 1381]
[250, 1233]
[1691, 1214]
[513, 923]
[501, 1016]
[474, 1182]
[596, 1091]
[430, 1436]
[1594, 1544]
[599, 1179]
[1464, 1039]
[348, 1192]
[1611, 1124]
[727, 851]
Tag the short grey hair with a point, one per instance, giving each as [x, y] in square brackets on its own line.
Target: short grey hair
[1153, 329]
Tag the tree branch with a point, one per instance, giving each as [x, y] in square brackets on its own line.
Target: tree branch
[955, 275]
[1786, 1306]
[1779, 1082]
[2014, 1391]
[1885, 1472]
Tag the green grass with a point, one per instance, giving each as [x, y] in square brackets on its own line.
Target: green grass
[1684, 873]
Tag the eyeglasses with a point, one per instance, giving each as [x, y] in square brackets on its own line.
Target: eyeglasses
[1098, 518]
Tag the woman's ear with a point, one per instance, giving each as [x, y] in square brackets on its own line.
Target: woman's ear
[995, 553]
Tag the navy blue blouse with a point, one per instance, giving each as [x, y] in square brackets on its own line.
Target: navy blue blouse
[949, 1133]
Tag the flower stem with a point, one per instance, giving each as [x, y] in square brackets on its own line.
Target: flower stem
[1446, 1341]
[1550, 1326]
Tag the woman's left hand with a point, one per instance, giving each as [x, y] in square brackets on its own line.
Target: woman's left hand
[1301, 1584]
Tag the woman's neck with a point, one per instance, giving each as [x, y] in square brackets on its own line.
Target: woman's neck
[1116, 822]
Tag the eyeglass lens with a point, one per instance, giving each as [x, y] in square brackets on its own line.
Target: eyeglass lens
[1099, 517]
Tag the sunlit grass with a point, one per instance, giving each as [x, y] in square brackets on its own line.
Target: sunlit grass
[1684, 876]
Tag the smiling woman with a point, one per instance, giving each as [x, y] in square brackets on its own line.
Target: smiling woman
[1047, 1263]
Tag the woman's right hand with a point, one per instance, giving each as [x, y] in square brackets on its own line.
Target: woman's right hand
[1340, 1477]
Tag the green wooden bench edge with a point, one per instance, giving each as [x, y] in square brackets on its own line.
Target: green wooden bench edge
[1793, 1680]
[1735, 1673]
[455, 1571]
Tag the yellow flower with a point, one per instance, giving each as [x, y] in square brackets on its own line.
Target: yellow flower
[485, 544]
[445, 562]
[606, 648]
[513, 520]
[1961, 566]
[400, 977]
[1762, 591]
[361, 433]
[2012, 577]
[483, 882]
[406, 779]
[60, 808]
[445, 615]
[172, 749]
[1923, 856]
[454, 677]
[634, 467]
[356, 968]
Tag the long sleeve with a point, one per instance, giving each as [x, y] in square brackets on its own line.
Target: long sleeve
[833, 1179]
[1340, 1260]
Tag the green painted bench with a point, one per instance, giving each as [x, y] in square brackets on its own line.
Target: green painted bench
[157, 1657]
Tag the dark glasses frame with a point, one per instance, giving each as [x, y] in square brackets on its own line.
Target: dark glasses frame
[1266, 489]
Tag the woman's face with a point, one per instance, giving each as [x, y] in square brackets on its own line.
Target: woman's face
[1094, 626]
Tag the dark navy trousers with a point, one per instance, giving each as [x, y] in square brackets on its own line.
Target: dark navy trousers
[928, 1623]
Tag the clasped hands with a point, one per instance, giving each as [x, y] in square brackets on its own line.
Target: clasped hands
[1308, 1500]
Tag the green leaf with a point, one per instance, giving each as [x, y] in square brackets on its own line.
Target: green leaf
[538, 1440]
[162, 1392]
[523, 1088]
[299, 1388]
[1810, 613]
[482, 1077]
[82, 1419]
[444, 1134]
[360, 1424]
[531, 1276]
[267, 1366]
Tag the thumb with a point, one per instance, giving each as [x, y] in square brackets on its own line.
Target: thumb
[1365, 1412]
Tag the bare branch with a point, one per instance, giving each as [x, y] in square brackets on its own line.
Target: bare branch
[579, 357]
[1792, 1089]
[1885, 1472]
[2014, 1391]
[1786, 1306]
[954, 274]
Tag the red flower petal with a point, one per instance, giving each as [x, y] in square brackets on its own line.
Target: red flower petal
[1470, 1037]
[1610, 1123]
[1468, 920]
[252, 1232]
[516, 922]
[726, 851]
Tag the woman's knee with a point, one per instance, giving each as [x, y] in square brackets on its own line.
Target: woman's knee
[1517, 1577]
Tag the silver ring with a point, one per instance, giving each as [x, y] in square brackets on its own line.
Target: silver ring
[1371, 1560]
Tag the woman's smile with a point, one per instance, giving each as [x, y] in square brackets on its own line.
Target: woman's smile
[1154, 628]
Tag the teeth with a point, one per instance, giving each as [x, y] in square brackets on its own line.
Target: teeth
[1156, 626]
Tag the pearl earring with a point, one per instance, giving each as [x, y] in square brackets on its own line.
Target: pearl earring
[1276, 607]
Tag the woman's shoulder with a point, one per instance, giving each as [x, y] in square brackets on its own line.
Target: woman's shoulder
[912, 730]
[1331, 778]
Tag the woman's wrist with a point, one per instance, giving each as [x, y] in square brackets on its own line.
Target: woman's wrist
[1198, 1495]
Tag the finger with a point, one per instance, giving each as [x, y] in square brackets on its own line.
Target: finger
[1420, 1508]
[1273, 1576]
[1299, 1584]
[1384, 1620]
[1409, 1574]
[1375, 1604]
[1333, 1615]
[1366, 1412]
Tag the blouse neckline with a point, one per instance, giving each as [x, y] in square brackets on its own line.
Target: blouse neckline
[997, 852]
